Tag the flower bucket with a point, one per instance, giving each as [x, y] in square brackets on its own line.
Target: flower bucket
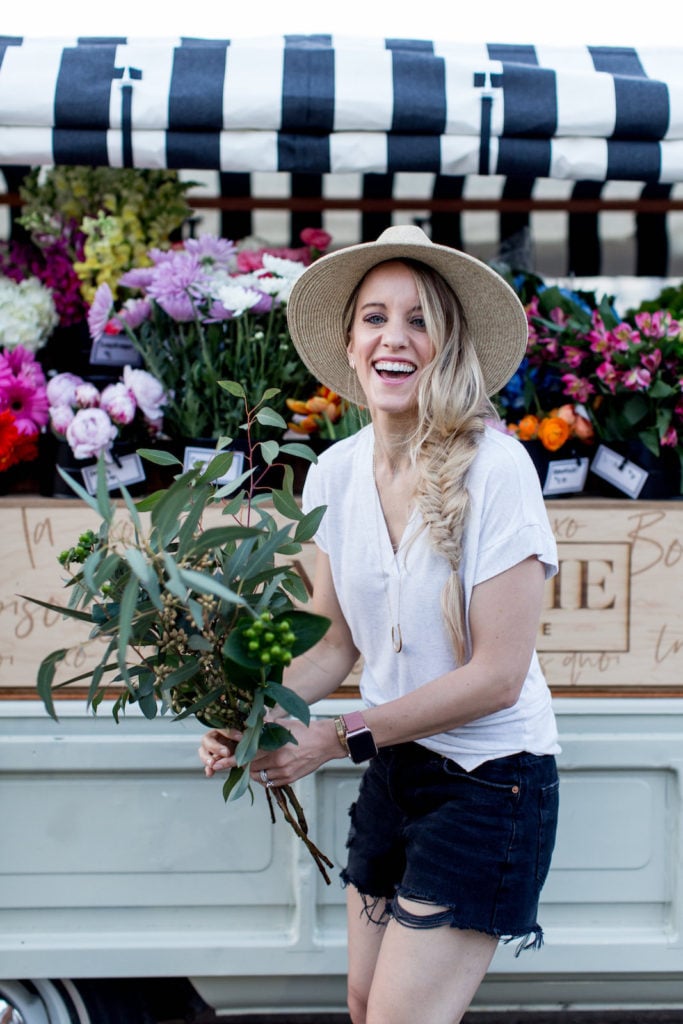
[64, 459]
[563, 472]
[663, 480]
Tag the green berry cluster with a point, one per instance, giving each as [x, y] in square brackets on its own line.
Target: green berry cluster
[80, 551]
[269, 641]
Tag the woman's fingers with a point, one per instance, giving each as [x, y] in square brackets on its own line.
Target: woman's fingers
[216, 750]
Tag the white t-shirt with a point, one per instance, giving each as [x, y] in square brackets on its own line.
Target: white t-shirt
[377, 589]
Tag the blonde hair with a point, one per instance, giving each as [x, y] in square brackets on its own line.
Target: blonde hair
[452, 408]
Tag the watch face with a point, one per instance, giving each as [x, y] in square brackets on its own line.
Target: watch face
[361, 746]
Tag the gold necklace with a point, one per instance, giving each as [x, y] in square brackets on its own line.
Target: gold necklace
[396, 635]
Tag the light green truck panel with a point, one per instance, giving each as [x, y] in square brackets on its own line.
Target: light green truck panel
[119, 859]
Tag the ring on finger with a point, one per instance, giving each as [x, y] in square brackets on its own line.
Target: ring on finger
[264, 778]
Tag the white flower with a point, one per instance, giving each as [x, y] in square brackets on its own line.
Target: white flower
[27, 313]
[238, 299]
[284, 274]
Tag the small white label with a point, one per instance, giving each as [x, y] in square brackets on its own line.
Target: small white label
[124, 469]
[114, 350]
[618, 471]
[565, 476]
[203, 456]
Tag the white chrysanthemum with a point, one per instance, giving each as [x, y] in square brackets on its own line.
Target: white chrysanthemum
[237, 299]
[27, 313]
[285, 273]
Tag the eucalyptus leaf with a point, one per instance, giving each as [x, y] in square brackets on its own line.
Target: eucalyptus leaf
[236, 783]
[267, 417]
[233, 388]
[289, 701]
[270, 451]
[300, 451]
[159, 456]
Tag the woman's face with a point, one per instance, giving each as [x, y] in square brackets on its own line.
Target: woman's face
[388, 339]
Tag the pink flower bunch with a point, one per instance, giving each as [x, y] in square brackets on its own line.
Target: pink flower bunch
[23, 406]
[91, 420]
[628, 372]
[23, 390]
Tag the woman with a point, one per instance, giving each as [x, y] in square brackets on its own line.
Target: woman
[432, 558]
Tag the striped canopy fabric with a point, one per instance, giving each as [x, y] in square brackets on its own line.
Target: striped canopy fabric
[329, 104]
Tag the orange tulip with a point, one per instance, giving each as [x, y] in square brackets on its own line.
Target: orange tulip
[553, 432]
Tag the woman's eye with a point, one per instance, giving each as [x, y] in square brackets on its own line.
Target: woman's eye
[419, 323]
[374, 318]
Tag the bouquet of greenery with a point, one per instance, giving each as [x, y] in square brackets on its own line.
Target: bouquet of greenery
[199, 620]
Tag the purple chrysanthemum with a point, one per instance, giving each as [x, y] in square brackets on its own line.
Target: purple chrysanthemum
[177, 285]
[212, 251]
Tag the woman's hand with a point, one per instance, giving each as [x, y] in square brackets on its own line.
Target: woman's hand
[216, 750]
[315, 744]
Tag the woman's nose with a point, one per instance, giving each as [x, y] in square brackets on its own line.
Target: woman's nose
[395, 335]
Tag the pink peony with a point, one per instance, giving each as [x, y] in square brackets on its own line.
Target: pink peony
[61, 389]
[90, 432]
[119, 403]
[60, 418]
[86, 396]
[147, 391]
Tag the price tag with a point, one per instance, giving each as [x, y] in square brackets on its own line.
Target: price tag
[618, 471]
[124, 469]
[202, 456]
[565, 476]
[114, 350]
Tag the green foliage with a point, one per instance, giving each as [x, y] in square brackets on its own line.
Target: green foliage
[197, 619]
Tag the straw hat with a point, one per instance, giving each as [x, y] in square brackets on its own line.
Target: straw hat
[495, 317]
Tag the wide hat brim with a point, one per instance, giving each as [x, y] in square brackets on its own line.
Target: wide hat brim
[495, 318]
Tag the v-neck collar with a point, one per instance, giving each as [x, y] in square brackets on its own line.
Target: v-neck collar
[393, 562]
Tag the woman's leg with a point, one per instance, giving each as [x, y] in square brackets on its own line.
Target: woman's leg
[426, 975]
[364, 941]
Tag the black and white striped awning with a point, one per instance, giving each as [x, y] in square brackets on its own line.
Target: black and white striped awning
[325, 104]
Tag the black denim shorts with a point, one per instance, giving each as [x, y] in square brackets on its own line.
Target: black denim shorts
[477, 844]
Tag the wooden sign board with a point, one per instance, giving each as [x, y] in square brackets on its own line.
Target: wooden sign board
[611, 621]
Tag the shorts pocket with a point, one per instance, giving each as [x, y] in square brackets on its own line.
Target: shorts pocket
[548, 807]
[488, 776]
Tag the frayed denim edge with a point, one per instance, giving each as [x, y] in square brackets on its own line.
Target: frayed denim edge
[528, 940]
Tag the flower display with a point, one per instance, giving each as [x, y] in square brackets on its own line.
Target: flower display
[91, 420]
[90, 224]
[625, 373]
[197, 620]
[27, 313]
[196, 318]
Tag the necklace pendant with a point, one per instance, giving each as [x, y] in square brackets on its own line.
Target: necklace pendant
[396, 638]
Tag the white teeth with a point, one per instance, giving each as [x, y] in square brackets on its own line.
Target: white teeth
[391, 367]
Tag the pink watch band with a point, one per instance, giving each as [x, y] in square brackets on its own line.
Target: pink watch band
[354, 721]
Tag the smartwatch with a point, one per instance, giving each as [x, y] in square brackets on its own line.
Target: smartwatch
[359, 739]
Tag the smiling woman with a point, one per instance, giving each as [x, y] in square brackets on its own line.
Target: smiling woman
[431, 562]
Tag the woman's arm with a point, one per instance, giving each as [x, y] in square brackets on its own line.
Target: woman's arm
[504, 616]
